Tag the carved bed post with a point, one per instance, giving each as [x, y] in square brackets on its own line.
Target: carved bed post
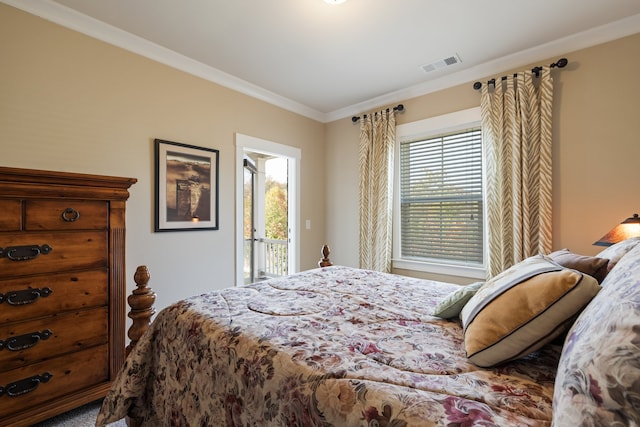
[325, 261]
[141, 302]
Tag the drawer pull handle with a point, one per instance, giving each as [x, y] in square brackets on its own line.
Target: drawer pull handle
[24, 386]
[70, 215]
[24, 253]
[25, 296]
[23, 342]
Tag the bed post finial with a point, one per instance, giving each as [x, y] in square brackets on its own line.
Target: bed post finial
[141, 302]
[325, 261]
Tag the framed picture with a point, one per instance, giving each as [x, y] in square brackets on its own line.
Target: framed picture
[186, 187]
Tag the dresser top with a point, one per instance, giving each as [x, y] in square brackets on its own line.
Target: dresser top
[41, 183]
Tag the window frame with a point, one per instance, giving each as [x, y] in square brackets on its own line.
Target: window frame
[424, 129]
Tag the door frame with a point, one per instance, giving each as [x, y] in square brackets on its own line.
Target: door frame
[293, 155]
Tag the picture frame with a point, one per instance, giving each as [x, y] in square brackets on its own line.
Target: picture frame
[186, 187]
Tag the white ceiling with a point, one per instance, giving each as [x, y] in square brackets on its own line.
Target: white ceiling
[332, 61]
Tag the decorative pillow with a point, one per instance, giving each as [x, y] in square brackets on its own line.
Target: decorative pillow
[593, 266]
[614, 253]
[522, 309]
[598, 381]
[452, 305]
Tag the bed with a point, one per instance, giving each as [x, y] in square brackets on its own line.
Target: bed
[338, 346]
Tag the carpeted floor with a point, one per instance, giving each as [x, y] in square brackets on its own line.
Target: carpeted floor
[84, 416]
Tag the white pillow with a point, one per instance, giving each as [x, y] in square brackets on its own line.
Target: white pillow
[614, 253]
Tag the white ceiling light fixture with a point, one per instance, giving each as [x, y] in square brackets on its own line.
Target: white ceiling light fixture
[334, 1]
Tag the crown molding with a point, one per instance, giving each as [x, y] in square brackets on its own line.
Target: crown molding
[69, 18]
[564, 46]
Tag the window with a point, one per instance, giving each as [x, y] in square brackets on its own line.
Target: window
[439, 209]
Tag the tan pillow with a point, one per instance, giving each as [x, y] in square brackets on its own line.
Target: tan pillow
[593, 266]
[517, 313]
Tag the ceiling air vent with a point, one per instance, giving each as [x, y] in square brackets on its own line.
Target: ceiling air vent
[441, 63]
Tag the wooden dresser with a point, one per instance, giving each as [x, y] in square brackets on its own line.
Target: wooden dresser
[62, 290]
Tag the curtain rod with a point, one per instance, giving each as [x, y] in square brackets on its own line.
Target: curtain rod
[560, 63]
[398, 107]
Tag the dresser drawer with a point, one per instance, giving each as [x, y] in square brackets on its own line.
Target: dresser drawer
[34, 253]
[33, 385]
[65, 215]
[35, 340]
[10, 215]
[38, 296]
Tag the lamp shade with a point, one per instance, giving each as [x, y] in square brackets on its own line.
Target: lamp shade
[630, 227]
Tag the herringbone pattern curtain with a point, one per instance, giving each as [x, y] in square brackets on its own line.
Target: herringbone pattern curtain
[516, 126]
[377, 139]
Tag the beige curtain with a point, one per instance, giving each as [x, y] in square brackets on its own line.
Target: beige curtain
[377, 139]
[516, 125]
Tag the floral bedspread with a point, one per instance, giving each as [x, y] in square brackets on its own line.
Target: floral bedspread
[335, 346]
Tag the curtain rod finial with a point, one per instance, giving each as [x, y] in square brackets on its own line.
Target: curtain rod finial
[561, 63]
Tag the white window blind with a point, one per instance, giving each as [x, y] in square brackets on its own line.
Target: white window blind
[441, 198]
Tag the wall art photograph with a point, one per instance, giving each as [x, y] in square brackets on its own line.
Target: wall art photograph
[186, 187]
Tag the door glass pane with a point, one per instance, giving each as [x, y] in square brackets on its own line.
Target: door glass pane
[248, 226]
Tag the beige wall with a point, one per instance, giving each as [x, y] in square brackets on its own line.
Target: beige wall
[596, 149]
[69, 102]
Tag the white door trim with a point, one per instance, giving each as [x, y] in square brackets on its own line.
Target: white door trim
[293, 154]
